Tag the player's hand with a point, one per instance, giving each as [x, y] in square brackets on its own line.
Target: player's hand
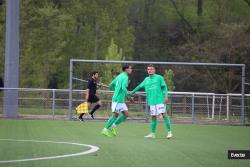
[132, 100]
[166, 100]
[103, 85]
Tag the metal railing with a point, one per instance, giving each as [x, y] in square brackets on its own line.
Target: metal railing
[184, 107]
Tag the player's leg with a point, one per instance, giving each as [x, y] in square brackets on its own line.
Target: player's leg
[153, 123]
[98, 104]
[109, 124]
[80, 117]
[82, 108]
[111, 120]
[96, 107]
[123, 116]
[168, 124]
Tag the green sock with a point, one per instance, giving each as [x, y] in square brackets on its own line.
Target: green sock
[120, 119]
[167, 123]
[110, 122]
[153, 125]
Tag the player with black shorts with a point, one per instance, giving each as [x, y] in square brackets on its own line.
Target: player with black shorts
[91, 94]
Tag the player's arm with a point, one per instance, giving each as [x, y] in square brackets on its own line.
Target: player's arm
[87, 94]
[124, 87]
[112, 84]
[164, 89]
[87, 90]
[102, 85]
[140, 86]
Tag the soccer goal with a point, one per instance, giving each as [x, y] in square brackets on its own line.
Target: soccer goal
[212, 92]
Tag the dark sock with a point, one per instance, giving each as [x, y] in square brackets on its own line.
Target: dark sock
[80, 116]
[94, 109]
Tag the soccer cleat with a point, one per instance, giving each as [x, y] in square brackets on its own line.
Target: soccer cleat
[113, 131]
[105, 133]
[170, 135]
[150, 135]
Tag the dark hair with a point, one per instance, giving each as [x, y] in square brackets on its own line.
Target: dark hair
[93, 73]
[151, 65]
[125, 66]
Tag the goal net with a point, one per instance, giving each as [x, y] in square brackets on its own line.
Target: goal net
[198, 92]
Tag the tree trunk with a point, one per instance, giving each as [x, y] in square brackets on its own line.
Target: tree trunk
[199, 7]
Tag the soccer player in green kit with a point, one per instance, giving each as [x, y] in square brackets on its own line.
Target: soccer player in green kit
[119, 85]
[157, 97]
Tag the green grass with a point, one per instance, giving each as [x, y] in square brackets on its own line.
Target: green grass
[193, 145]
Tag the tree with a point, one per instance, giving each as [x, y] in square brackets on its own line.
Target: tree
[52, 32]
[169, 77]
[112, 70]
[199, 7]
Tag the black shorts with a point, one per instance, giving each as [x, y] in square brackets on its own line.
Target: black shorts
[93, 99]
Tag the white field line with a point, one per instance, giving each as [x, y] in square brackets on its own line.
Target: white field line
[91, 150]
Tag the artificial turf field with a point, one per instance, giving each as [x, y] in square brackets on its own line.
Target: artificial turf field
[192, 145]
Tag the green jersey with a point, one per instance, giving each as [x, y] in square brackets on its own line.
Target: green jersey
[119, 85]
[156, 89]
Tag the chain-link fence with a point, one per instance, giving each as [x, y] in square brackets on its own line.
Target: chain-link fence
[183, 107]
[208, 108]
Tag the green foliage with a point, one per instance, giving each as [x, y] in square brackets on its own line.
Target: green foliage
[53, 31]
[169, 77]
[111, 70]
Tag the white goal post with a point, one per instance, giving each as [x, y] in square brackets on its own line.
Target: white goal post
[240, 66]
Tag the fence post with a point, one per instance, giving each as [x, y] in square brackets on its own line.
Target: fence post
[193, 108]
[227, 107]
[242, 107]
[221, 100]
[207, 107]
[213, 106]
[53, 103]
[70, 89]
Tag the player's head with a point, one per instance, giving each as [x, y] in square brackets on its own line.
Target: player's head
[151, 69]
[94, 74]
[127, 68]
